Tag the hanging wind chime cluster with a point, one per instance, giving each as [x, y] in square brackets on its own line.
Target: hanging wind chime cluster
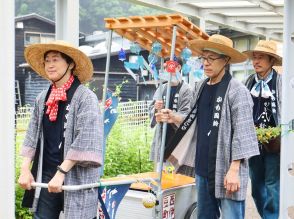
[134, 48]
[153, 58]
[139, 64]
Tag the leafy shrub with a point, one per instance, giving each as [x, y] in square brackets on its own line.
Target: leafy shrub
[127, 151]
[20, 212]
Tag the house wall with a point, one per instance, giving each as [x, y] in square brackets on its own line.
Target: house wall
[34, 84]
[128, 89]
[118, 75]
[21, 74]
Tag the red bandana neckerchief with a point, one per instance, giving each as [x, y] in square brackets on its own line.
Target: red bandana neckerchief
[55, 96]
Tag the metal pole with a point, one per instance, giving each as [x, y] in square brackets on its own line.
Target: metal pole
[162, 146]
[7, 109]
[160, 81]
[109, 42]
[287, 149]
[158, 129]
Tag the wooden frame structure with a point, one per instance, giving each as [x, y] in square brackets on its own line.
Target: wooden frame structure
[147, 29]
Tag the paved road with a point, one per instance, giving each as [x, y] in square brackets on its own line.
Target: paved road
[251, 212]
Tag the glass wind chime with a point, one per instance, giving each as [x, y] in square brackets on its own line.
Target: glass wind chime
[186, 55]
[122, 54]
[135, 48]
[153, 58]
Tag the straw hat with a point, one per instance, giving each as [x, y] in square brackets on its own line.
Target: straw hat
[34, 55]
[268, 47]
[219, 44]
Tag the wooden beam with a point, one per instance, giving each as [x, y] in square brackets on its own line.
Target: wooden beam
[147, 29]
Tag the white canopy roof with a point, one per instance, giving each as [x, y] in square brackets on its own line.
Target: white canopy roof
[256, 17]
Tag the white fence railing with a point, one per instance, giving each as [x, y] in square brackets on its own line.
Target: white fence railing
[132, 115]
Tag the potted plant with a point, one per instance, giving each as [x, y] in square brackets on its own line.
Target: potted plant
[270, 138]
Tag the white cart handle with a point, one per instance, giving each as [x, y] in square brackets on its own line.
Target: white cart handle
[93, 185]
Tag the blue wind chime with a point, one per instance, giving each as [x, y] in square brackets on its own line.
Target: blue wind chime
[153, 58]
[199, 73]
[186, 55]
[190, 65]
[122, 54]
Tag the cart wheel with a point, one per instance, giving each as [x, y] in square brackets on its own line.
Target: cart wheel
[191, 212]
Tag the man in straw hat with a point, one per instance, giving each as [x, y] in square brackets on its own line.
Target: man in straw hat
[265, 88]
[64, 138]
[218, 136]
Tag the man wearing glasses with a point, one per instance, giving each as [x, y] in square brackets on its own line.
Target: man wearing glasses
[217, 138]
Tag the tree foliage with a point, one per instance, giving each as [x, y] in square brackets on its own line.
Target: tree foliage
[43, 8]
[92, 12]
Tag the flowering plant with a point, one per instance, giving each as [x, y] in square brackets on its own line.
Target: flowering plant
[264, 135]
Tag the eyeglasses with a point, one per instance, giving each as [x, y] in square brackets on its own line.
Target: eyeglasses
[209, 59]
